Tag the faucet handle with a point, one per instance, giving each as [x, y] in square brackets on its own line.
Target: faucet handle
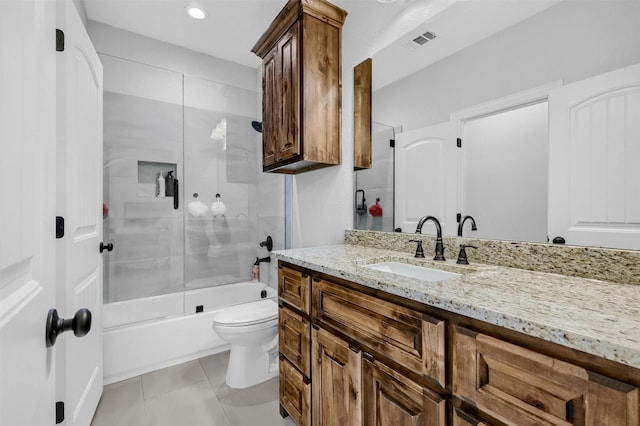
[419, 250]
[462, 256]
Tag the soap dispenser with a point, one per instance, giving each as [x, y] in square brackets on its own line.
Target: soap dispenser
[169, 181]
[160, 187]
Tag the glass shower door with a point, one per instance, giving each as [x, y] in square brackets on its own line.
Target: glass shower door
[143, 137]
[221, 183]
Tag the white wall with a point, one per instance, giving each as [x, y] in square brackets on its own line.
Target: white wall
[571, 41]
[113, 41]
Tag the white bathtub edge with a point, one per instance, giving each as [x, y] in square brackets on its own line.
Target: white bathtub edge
[142, 348]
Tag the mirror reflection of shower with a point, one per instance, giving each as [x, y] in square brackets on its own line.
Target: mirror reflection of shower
[377, 182]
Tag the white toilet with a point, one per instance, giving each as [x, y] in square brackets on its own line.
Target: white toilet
[252, 330]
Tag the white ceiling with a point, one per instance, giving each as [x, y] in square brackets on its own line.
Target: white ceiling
[371, 28]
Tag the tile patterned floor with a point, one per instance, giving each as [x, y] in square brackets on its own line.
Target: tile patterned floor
[193, 394]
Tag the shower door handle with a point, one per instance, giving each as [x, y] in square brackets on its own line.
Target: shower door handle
[107, 247]
[175, 194]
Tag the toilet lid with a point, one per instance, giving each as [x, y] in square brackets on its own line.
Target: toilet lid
[247, 313]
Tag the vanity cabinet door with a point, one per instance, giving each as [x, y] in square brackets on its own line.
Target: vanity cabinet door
[389, 398]
[294, 287]
[410, 338]
[295, 393]
[521, 387]
[295, 339]
[337, 374]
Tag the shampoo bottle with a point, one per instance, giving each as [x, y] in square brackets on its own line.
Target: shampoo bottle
[255, 271]
[160, 188]
[169, 183]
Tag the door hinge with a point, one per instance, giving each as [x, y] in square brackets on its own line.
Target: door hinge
[59, 227]
[458, 217]
[59, 40]
[392, 143]
[459, 143]
[59, 412]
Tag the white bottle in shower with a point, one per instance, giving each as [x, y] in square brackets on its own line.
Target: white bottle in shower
[160, 187]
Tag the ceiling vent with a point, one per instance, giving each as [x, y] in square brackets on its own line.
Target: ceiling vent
[420, 40]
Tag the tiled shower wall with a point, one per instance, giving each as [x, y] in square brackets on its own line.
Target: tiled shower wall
[156, 115]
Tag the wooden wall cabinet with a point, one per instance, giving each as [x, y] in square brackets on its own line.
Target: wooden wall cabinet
[302, 87]
[354, 356]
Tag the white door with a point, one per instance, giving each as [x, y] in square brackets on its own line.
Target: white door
[426, 178]
[79, 260]
[27, 211]
[594, 151]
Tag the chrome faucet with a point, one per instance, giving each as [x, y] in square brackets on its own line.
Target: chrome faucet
[439, 246]
[461, 224]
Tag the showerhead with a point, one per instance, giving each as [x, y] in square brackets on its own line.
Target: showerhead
[257, 126]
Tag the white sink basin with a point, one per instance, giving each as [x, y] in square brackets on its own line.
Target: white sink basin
[412, 271]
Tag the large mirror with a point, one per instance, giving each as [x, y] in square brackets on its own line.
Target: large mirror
[490, 83]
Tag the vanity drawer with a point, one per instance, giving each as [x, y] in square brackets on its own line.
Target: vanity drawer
[294, 287]
[411, 339]
[521, 387]
[295, 339]
[295, 393]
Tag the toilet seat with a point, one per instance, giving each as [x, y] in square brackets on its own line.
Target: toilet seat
[247, 314]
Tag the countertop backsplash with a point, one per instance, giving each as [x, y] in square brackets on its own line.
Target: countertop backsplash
[615, 265]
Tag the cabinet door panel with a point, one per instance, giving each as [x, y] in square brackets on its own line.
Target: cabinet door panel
[288, 142]
[392, 399]
[295, 393]
[337, 372]
[295, 340]
[271, 108]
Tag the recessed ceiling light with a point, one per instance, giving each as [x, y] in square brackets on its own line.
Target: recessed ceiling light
[386, 1]
[195, 11]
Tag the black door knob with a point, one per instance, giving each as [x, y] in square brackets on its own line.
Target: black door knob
[80, 324]
[107, 247]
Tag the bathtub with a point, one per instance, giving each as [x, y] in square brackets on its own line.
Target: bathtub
[143, 335]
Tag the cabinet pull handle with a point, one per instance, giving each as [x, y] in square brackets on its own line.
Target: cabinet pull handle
[315, 326]
[354, 349]
[368, 357]
[306, 380]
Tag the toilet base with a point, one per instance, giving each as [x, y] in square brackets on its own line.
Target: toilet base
[249, 366]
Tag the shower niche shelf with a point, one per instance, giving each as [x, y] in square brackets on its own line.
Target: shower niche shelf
[148, 172]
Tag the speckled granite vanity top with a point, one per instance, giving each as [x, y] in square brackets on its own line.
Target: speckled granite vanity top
[597, 317]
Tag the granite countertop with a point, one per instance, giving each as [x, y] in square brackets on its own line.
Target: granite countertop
[597, 317]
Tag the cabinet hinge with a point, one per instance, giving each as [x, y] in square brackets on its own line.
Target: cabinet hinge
[59, 40]
[392, 143]
[458, 217]
[59, 412]
[59, 226]
[459, 143]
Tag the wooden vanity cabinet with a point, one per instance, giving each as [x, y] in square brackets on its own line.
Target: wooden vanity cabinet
[302, 93]
[378, 359]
